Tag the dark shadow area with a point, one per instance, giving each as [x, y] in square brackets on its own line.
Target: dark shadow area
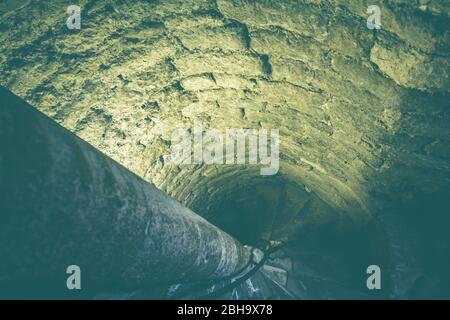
[329, 250]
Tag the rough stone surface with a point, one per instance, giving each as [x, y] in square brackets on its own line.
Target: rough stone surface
[363, 115]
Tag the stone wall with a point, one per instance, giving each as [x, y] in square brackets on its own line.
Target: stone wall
[363, 115]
